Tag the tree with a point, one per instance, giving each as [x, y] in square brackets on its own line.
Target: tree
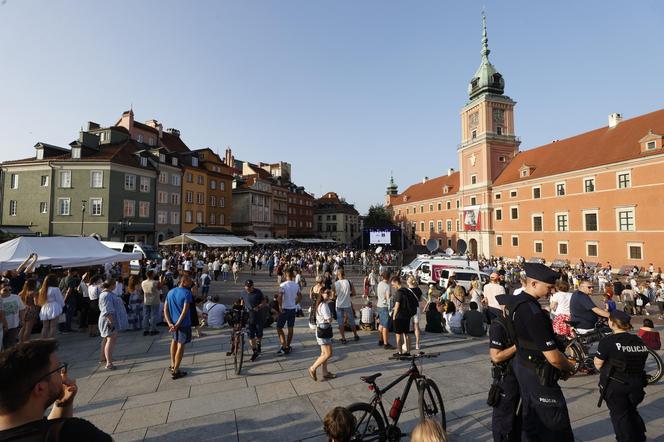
[377, 217]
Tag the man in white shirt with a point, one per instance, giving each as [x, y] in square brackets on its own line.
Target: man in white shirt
[288, 298]
[216, 268]
[343, 290]
[491, 290]
[187, 265]
[384, 294]
[215, 312]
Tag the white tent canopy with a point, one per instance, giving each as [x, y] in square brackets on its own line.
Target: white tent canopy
[266, 240]
[314, 241]
[59, 251]
[207, 240]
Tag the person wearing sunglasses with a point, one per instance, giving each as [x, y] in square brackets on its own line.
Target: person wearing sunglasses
[32, 379]
[583, 309]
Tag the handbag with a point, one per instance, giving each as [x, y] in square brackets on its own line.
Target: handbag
[324, 333]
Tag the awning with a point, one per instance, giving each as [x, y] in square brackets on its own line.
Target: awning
[207, 240]
[314, 241]
[264, 241]
[17, 230]
[60, 251]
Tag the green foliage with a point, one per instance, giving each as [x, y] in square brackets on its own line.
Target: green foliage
[378, 217]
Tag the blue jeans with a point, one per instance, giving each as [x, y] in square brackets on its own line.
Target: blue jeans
[150, 317]
[340, 316]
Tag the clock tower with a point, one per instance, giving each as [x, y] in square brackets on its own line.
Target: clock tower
[488, 144]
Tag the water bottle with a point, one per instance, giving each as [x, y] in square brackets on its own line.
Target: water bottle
[396, 407]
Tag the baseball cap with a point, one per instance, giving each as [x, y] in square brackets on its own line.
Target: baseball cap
[248, 283]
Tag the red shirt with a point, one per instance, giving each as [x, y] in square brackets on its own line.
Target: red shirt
[650, 338]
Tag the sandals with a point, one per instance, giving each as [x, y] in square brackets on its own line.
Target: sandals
[313, 375]
[178, 374]
[111, 367]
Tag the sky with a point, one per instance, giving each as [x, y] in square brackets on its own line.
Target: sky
[346, 91]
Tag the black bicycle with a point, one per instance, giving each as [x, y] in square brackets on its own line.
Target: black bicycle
[375, 424]
[238, 320]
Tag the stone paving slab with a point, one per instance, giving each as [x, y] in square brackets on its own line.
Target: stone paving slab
[274, 398]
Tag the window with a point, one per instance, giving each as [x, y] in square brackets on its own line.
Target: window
[144, 209]
[440, 206]
[474, 134]
[626, 220]
[634, 251]
[144, 162]
[562, 247]
[44, 181]
[175, 217]
[200, 180]
[162, 157]
[458, 225]
[222, 220]
[421, 226]
[589, 185]
[76, 153]
[43, 207]
[440, 226]
[213, 200]
[174, 162]
[95, 206]
[650, 145]
[129, 208]
[130, 182]
[449, 225]
[421, 208]
[497, 196]
[515, 241]
[64, 204]
[499, 240]
[449, 243]
[539, 246]
[14, 181]
[96, 179]
[537, 223]
[499, 130]
[213, 184]
[65, 179]
[162, 197]
[512, 193]
[448, 205]
[189, 177]
[187, 216]
[189, 196]
[199, 217]
[499, 214]
[145, 184]
[194, 162]
[537, 193]
[514, 213]
[561, 222]
[590, 221]
[162, 217]
[222, 187]
[430, 226]
[199, 198]
[163, 177]
[560, 189]
[591, 249]
[458, 204]
[473, 179]
[175, 180]
[213, 218]
[222, 201]
[624, 180]
[139, 138]
[430, 207]
[502, 159]
[13, 206]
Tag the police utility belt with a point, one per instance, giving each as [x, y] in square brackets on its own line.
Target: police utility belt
[547, 374]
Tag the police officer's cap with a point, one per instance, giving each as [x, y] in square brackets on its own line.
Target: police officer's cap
[540, 272]
[621, 316]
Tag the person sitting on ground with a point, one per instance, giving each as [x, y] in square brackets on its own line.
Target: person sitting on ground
[649, 335]
[453, 318]
[434, 319]
[367, 317]
[473, 321]
[428, 430]
[339, 425]
[32, 379]
[214, 312]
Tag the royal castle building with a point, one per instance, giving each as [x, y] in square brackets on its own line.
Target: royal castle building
[597, 196]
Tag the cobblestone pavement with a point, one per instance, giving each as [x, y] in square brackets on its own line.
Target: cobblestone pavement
[274, 399]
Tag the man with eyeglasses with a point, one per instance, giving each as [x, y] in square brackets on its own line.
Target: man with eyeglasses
[583, 310]
[32, 379]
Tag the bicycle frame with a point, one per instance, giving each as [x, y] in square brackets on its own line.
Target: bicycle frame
[412, 374]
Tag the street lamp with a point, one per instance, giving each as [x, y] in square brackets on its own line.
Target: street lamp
[83, 202]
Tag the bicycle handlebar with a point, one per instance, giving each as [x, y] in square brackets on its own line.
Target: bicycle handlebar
[413, 357]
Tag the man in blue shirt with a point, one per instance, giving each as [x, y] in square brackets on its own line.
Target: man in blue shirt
[257, 306]
[176, 313]
[583, 310]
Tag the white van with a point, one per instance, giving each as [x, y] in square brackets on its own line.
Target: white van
[462, 276]
[149, 252]
[427, 266]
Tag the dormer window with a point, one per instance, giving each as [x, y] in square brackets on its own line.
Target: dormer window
[144, 162]
[651, 141]
[76, 153]
[525, 171]
[474, 82]
[162, 158]
[651, 145]
[446, 189]
[174, 161]
[194, 161]
[40, 154]
[102, 137]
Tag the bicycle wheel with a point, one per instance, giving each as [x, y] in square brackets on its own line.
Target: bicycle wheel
[369, 425]
[654, 367]
[431, 402]
[574, 352]
[239, 352]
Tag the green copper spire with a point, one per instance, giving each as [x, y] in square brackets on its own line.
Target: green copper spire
[486, 79]
[485, 41]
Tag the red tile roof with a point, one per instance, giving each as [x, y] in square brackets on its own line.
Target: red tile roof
[595, 148]
[432, 188]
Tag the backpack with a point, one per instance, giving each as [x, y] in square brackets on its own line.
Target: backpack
[410, 307]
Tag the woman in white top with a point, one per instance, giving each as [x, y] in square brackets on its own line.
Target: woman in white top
[476, 294]
[560, 308]
[323, 322]
[51, 302]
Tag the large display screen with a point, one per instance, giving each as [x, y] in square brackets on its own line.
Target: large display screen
[380, 237]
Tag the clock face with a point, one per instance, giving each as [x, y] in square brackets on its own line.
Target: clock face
[474, 119]
[498, 116]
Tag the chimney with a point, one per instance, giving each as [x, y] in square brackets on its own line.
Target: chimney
[155, 124]
[127, 120]
[450, 171]
[92, 125]
[425, 179]
[614, 119]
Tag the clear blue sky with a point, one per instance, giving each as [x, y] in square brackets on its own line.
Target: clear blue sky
[345, 90]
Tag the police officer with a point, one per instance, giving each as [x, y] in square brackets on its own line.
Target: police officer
[621, 359]
[504, 393]
[539, 363]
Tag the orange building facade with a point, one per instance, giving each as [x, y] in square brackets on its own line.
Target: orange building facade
[597, 196]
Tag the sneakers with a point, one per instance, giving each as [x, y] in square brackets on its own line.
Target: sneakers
[281, 351]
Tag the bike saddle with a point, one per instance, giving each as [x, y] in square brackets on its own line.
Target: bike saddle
[572, 323]
[371, 379]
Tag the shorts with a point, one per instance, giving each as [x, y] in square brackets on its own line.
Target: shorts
[416, 318]
[402, 325]
[383, 316]
[255, 326]
[286, 316]
[182, 335]
[340, 315]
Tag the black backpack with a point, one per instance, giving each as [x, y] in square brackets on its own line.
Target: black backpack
[410, 307]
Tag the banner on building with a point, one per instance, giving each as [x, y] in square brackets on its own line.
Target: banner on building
[471, 218]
